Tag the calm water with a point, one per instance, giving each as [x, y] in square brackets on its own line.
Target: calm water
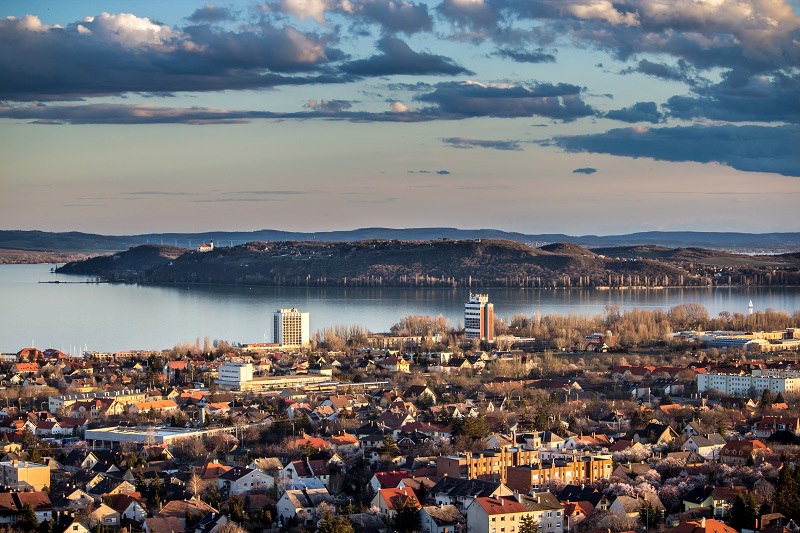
[110, 317]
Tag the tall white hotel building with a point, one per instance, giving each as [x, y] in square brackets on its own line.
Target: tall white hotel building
[290, 327]
[479, 318]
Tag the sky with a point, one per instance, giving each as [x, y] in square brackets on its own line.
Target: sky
[573, 116]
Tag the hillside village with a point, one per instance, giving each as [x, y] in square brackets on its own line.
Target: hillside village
[419, 429]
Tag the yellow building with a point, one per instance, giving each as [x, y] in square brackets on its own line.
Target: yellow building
[24, 475]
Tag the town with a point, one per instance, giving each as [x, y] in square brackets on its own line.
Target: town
[632, 420]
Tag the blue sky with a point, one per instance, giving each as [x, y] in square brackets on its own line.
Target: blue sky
[575, 116]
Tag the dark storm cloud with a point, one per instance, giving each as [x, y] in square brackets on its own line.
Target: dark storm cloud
[584, 170]
[679, 72]
[447, 101]
[558, 101]
[210, 13]
[461, 142]
[396, 16]
[523, 56]
[741, 97]
[638, 112]
[113, 54]
[746, 148]
[397, 57]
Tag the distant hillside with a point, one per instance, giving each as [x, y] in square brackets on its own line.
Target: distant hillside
[128, 265]
[90, 243]
[477, 263]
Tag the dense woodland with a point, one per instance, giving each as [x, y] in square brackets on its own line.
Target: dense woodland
[475, 264]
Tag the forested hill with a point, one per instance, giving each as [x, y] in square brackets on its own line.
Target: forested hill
[92, 243]
[475, 263]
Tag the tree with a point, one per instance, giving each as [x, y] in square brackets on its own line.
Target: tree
[779, 398]
[527, 525]
[787, 493]
[767, 397]
[666, 400]
[650, 516]
[389, 445]
[407, 517]
[743, 512]
[334, 524]
[28, 518]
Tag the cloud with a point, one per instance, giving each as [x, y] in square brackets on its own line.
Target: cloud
[746, 148]
[584, 170]
[303, 9]
[395, 15]
[522, 56]
[474, 14]
[446, 101]
[638, 112]
[398, 58]
[461, 142]
[474, 99]
[441, 172]
[741, 97]
[210, 14]
[114, 54]
[332, 106]
[681, 71]
[760, 35]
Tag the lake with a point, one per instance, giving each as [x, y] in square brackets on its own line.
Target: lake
[113, 317]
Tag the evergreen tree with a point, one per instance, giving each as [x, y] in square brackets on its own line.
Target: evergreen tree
[779, 398]
[28, 518]
[389, 445]
[666, 400]
[787, 493]
[527, 525]
[407, 517]
[743, 512]
[766, 397]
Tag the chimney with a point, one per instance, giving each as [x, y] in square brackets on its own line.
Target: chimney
[703, 522]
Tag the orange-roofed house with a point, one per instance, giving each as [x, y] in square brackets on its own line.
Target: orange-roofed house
[160, 406]
[704, 525]
[388, 501]
[25, 368]
[305, 439]
[740, 452]
[492, 515]
[345, 443]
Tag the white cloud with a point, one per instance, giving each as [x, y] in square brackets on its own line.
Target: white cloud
[303, 9]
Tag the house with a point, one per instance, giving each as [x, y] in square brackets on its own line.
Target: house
[160, 524]
[770, 424]
[240, 480]
[302, 505]
[708, 446]
[462, 492]
[629, 471]
[655, 434]
[723, 499]
[576, 512]
[395, 363]
[629, 506]
[741, 452]
[129, 506]
[493, 514]
[420, 392]
[440, 519]
[211, 523]
[546, 511]
[104, 515]
[389, 501]
[698, 497]
[704, 525]
[386, 480]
